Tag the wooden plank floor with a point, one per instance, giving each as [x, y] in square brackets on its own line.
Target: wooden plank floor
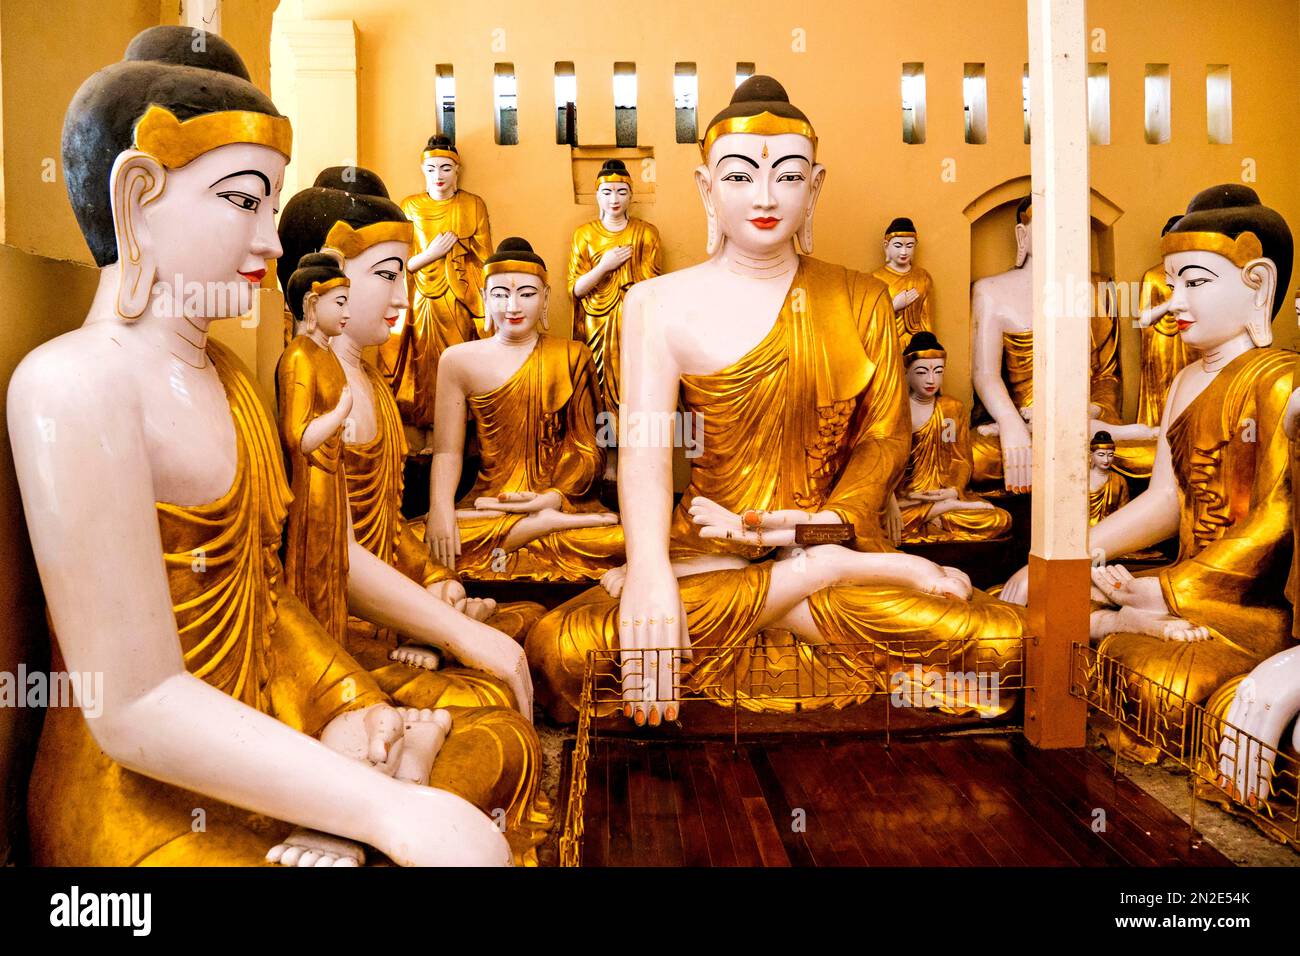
[976, 800]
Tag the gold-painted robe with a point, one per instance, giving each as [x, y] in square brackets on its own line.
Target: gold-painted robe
[1164, 353]
[814, 417]
[446, 307]
[917, 316]
[244, 633]
[537, 432]
[1018, 376]
[940, 458]
[1110, 497]
[375, 481]
[309, 382]
[1232, 460]
[598, 315]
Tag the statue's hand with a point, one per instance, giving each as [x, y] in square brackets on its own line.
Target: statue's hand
[373, 734]
[521, 502]
[905, 298]
[614, 257]
[1016, 590]
[651, 620]
[989, 429]
[345, 402]
[613, 580]
[427, 826]
[1017, 456]
[490, 651]
[1122, 589]
[949, 582]
[443, 537]
[441, 245]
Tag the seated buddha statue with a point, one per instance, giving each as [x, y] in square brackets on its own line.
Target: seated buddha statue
[1221, 479]
[1163, 351]
[348, 211]
[532, 513]
[910, 287]
[452, 238]
[608, 255]
[224, 693]
[1107, 490]
[793, 366]
[1002, 369]
[933, 498]
[313, 398]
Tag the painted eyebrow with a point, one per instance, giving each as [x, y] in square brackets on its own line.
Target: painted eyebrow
[737, 156]
[791, 156]
[266, 183]
[389, 259]
[1193, 265]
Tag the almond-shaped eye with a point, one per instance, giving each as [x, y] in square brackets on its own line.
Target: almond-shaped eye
[1197, 282]
[790, 178]
[387, 274]
[737, 177]
[241, 200]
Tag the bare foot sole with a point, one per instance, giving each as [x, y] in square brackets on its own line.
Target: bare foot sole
[303, 848]
[417, 655]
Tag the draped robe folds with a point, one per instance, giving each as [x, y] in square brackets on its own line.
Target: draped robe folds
[814, 417]
[444, 310]
[1232, 461]
[916, 317]
[242, 631]
[309, 382]
[375, 481]
[537, 433]
[1111, 496]
[940, 458]
[598, 315]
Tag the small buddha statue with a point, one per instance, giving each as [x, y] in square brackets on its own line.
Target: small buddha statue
[1107, 490]
[1221, 479]
[314, 400]
[1003, 365]
[1163, 351]
[609, 255]
[932, 497]
[793, 366]
[226, 694]
[532, 513]
[910, 286]
[452, 239]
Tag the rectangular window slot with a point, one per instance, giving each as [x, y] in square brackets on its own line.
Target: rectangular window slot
[625, 104]
[566, 104]
[1158, 103]
[686, 94]
[975, 100]
[1218, 102]
[743, 72]
[505, 99]
[1099, 104]
[444, 92]
[913, 103]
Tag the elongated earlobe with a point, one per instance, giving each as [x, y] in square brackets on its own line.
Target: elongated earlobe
[137, 180]
[546, 308]
[1024, 243]
[806, 230]
[714, 241]
[487, 312]
[1261, 276]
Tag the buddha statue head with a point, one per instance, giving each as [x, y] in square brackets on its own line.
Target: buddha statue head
[613, 192]
[924, 360]
[1169, 224]
[441, 167]
[317, 294]
[174, 162]
[1227, 260]
[1024, 230]
[900, 245]
[1101, 451]
[515, 290]
[760, 178]
[347, 210]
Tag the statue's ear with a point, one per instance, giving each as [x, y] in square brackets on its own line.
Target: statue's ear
[1024, 243]
[815, 190]
[546, 303]
[487, 312]
[705, 185]
[137, 180]
[308, 323]
[1260, 275]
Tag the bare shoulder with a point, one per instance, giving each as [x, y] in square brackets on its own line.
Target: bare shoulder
[665, 299]
[456, 358]
[85, 373]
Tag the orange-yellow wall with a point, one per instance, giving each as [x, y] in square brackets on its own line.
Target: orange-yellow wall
[848, 83]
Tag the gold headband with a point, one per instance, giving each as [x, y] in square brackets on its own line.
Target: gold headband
[910, 357]
[1245, 248]
[895, 235]
[352, 242]
[1102, 446]
[1026, 216]
[514, 265]
[318, 287]
[764, 124]
[613, 178]
[450, 154]
[174, 144]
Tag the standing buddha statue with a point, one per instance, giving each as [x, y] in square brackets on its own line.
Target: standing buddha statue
[933, 498]
[910, 287]
[609, 255]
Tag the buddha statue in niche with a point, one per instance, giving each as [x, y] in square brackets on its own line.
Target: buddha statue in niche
[1221, 477]
[934, 500]
[793, 365]
[532, 513]
[314, 400]
[1003, 366]
[217, 677]
[1163, 351]
[453, 238]
[910, 287]
[609, 254]
[1107, 490]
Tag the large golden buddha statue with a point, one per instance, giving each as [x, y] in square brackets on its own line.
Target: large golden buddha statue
[217, 679]
[609, 255]
[453, 238]
[1163, 350]
[533, 513]
[793, 366]
[911, 289]
[1221, 480]
[933, 498]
